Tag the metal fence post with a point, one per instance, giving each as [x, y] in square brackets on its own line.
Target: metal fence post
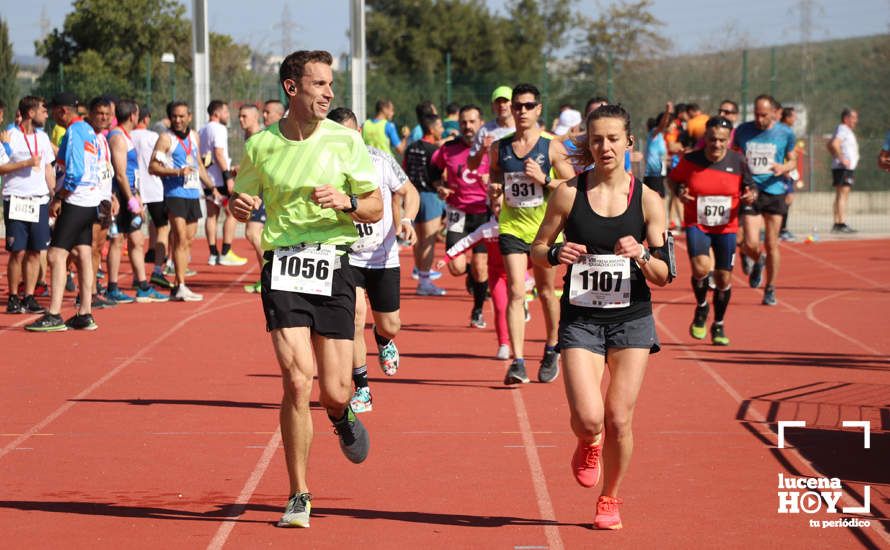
[744, 85]
[447, 77]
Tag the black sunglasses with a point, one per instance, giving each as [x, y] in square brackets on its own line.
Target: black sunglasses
[528, 105]
[726, 112]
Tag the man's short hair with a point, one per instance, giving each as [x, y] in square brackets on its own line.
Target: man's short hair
[144, 112]
[452, 108]
[692, 108]
[100, 101]
[766, 97]
[214, 106]
[293, 65]
[248, 106]
[470, 107]
[341, 115]
[174, 104]
[593, 100]
[735, 106]
[526, 88]
[425, 107]
[382, 104]
[27, 103]
[428, 122]
[847, 111]
[787, 112]
[125, 108]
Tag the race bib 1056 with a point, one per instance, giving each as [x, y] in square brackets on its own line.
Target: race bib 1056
[600, 280]
[308, 269]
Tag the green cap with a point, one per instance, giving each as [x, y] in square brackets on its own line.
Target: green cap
[505, 92]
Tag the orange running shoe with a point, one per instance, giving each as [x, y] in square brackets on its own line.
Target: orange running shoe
[586, 462]
[607, 516]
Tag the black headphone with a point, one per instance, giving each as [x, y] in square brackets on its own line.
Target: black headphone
[292, 89]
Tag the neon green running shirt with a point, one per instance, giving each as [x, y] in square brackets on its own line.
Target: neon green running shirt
[286, 173]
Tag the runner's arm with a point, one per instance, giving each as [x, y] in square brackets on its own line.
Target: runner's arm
[495, 175]
[202, 171]
[466, 242]
[558, 208]
[656, 269]
[157, 166]
[404, 219]
[559, 159]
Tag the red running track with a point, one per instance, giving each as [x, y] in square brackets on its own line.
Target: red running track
[160, 429]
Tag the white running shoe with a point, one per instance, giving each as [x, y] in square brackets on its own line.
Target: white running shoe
[503, 351]
[213, 259]
[427, 288]
[183, 294]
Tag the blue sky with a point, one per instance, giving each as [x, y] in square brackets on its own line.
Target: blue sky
[689, 23]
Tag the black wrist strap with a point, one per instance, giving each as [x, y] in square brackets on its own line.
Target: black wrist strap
[553, 254]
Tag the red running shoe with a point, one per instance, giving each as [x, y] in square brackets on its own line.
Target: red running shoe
[586, 462]
[607, 516]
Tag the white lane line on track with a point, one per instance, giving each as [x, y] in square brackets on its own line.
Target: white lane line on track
[826, 263]
[203, 310]
[225, 529]
[812, 317]
[545, 505]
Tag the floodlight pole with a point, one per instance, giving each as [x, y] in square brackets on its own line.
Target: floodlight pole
[200, 62]
[357, 57]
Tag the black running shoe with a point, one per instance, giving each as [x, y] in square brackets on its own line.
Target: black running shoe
[476, 319]
[69, 283]
[756, 275]
[81, 322]
[549, 367]
[14, 304]
[47, 323]
[769, 296]
[31, 306]
[516, 373]
[354, 440]
[844, 228]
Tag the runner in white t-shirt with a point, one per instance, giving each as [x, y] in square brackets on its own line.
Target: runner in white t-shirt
[151, 189]
[493, 130]
[845, 152]
[28, 182]
[375, 266]
[215, 155]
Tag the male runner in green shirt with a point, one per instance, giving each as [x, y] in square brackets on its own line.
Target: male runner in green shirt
[315, 177]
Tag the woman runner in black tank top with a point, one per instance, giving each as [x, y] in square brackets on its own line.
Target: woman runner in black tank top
[606, 307]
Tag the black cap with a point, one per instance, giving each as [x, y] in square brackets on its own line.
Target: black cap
[64, 99]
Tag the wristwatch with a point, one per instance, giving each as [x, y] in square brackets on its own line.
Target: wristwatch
[645, 257]
[353, 205]
[547, 180]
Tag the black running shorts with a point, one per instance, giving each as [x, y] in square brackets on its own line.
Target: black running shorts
[510, 244]
[74, 226]
[767, 204]
[190, 209]
[471, 223]
[158, 213]
[381, 286]
[329, 316]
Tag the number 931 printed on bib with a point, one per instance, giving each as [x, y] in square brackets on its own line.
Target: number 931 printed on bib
[713, 210]
[307, 269]
[521, 192]
[601, 281]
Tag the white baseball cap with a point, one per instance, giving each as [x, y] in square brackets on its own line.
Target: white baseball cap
[568, 119]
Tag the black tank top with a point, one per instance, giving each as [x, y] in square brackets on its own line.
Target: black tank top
[599, 234]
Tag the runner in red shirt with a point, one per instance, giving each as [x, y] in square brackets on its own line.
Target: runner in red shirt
[712, 182]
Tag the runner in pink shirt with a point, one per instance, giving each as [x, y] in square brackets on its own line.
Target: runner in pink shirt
[465, 193]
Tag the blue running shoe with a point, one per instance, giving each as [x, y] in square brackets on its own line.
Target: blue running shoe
[150, 295]
[119, 296]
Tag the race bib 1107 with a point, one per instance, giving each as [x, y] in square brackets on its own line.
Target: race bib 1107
[601, 281]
